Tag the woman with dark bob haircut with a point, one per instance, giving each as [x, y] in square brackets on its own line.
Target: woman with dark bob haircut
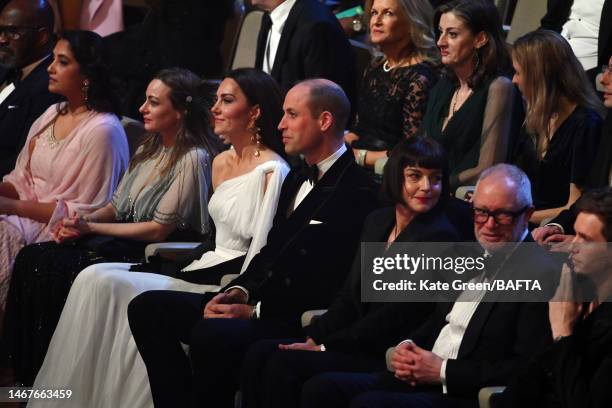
[356, 334]
[74, 155]
[246, 180]
[474, 109]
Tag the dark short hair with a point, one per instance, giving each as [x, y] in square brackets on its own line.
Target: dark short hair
[480, 16]
[91, 55]
[598, 202]
[325, 95]
[261, 89]
[418, 151]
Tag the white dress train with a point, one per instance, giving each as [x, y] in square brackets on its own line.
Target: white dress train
[92, 351]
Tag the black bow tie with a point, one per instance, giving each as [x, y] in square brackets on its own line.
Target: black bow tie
[13, 76]
[310, 173]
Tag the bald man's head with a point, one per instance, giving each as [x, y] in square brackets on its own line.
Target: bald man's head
[26, 28]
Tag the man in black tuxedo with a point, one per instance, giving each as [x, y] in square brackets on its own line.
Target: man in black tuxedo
[26, 32]
[302, 39]
[465, 345]
[308, 254]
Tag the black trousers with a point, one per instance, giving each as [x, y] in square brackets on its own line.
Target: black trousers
[364, 390]
[161, 320]
[274, 378]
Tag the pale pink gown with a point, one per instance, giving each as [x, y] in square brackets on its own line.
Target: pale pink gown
[78, 173]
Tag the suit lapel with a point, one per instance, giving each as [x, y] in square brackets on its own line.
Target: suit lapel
[321, 193]
[288, 28]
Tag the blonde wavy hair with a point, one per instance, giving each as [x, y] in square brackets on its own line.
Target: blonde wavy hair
[418, 15]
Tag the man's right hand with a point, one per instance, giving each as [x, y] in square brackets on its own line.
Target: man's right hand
[541, 234]
[232, 296]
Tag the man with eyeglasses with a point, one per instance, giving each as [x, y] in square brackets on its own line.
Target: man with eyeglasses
[475, 342]
[26, 34]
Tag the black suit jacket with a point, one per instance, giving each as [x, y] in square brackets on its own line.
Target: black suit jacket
[312, 45]
[574, 372]
[19, 110]
[357, 327]
[558, 12]
[499, 337]
[304, 263]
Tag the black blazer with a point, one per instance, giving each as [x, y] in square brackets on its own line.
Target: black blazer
[312, 45]
[558, 12]
[573, 372]
[309, 253]
[19, 110]
[353, 326]
[499, 337]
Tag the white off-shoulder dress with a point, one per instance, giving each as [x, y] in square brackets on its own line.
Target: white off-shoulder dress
[92, 351]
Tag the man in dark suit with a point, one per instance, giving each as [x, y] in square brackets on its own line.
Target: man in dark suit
[307, 256]
[355, 334]
[576, 370]
[473, 342]
[26, 31]
[302, 39]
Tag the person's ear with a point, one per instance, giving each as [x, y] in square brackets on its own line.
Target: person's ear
[254, 114]
[326, 121]
[481, 40]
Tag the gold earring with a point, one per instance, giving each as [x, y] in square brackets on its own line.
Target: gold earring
[85, 89]
[256, 138]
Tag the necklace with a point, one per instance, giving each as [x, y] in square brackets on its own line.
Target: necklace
[386, 67]
[456, 98]
[51, 140]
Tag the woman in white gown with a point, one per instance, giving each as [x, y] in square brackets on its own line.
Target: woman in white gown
[92, 352]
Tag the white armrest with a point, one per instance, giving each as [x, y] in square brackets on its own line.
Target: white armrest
[227, 279]
[309, 315]
[484, 395]
[169, 247]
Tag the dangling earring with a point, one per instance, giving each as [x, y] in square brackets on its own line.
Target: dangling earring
[256, 138]
[85, 89]
[477, 55]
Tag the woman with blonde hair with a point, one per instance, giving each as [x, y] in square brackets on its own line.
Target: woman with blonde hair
[395, 86]
[562, 126]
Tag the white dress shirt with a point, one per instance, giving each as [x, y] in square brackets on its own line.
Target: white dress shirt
[582, 30]
[279, 17]
[449, 340]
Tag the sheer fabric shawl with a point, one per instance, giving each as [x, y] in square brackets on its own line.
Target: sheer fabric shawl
[180, 196]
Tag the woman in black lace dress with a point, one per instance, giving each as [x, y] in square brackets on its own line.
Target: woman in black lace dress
[393, 95]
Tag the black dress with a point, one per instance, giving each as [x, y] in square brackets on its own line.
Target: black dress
[568, 159]
[480, 132]
[42, 277]
[391, 104]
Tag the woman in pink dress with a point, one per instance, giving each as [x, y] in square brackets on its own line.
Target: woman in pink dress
[73, 157]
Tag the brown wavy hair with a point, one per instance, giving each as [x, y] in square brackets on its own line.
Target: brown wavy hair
[193, 96]
[480, 16]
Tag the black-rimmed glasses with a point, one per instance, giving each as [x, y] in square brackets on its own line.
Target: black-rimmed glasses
[502, 217]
